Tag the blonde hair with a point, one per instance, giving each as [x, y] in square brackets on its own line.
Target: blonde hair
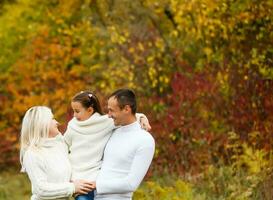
[35, 128]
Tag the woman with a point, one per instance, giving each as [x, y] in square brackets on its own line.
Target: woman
[44, 157]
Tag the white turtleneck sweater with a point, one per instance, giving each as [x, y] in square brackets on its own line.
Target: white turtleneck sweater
[86, 141]
[49, 170]
[127, 157]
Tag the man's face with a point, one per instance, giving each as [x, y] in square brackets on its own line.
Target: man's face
[114, 112]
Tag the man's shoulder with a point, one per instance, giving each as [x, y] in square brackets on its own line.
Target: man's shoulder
[145, 136]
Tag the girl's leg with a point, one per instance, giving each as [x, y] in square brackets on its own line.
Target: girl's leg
[89, 196]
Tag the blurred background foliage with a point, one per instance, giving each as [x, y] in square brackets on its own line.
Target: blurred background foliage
[202, 71]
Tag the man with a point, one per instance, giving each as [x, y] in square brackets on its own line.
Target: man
[128, 153]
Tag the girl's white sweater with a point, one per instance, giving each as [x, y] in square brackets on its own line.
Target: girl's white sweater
[86, 141]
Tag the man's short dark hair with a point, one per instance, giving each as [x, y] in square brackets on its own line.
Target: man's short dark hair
[125, 97]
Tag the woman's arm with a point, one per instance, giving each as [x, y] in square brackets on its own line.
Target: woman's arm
[36, 171]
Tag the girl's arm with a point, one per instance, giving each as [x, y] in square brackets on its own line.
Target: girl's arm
[143, 121]
[67, 138]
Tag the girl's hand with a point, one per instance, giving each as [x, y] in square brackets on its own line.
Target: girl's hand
[144, 122]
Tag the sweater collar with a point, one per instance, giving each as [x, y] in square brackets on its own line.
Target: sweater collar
[94, 124]
[87, 121]
[130, 127]
[51, 142]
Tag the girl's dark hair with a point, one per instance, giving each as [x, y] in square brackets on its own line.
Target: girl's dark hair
[88, 99]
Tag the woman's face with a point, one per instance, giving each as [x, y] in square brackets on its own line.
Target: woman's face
[53, 128]
[80, 112]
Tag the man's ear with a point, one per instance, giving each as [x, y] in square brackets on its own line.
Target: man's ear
[127, 108]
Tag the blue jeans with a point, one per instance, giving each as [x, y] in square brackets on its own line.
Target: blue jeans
[89, 196]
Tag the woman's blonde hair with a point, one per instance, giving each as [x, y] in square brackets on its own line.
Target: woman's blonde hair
[35, 128]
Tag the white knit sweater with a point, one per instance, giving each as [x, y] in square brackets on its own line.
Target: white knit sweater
[49, 170]
[127, 157]
[86, 141]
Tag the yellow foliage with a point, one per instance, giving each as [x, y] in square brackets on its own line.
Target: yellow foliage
[255, 160]
[150, 190]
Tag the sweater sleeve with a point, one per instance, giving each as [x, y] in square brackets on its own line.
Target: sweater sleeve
[139, 115]
[40, 186]
[67, 137]
[129, 183]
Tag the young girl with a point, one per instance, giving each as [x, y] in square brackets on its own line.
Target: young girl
[44, 157]
[86, 136]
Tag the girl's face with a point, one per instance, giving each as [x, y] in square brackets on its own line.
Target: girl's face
[53, 128]
[80, 112]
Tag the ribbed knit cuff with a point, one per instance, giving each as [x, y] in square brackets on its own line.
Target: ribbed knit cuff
[72, 189]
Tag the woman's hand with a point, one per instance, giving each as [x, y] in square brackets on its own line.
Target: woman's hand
[94, 184]
[144, 122]
[83, 187]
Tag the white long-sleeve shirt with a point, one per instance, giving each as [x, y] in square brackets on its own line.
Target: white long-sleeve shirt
[127, 157]
[49, 170]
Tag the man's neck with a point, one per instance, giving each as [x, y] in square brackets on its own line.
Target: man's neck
[130, 120]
